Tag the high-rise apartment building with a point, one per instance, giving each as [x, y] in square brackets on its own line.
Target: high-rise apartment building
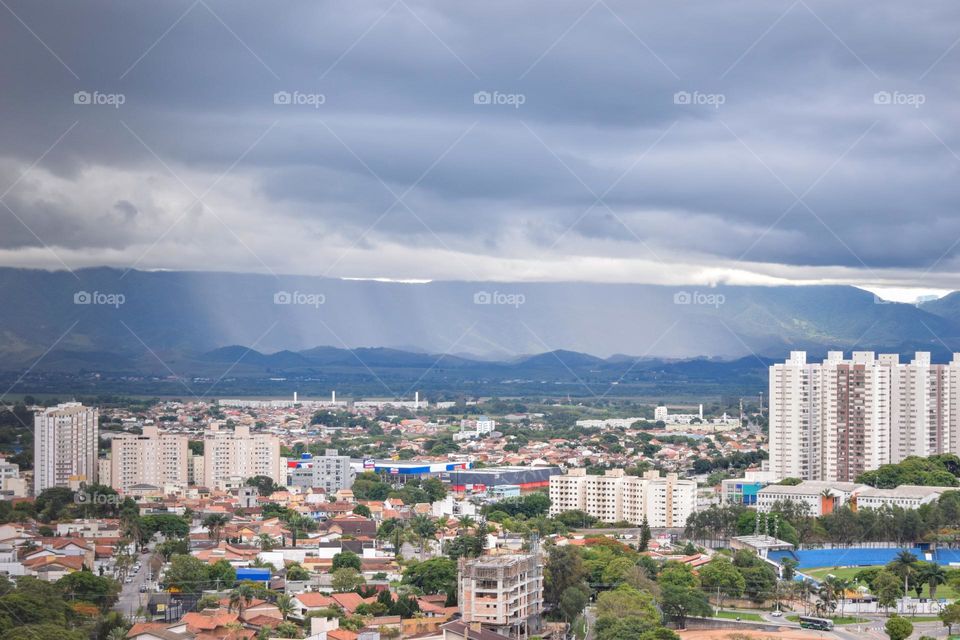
[835, 419]
[665, 501]
[66, 438]
[231, 456]
[503, 593]
[330, 472]
[152, 457]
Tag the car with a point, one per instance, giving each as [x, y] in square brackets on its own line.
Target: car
[777, 614]
[129, 579]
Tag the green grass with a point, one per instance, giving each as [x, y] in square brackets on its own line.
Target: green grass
[580, 627]
[733, 615]
[847, 573]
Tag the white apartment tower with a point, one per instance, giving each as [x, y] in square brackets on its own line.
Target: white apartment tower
[665, 501]
[833, 420]
[230, 457]
[66, 438]
[153, 458]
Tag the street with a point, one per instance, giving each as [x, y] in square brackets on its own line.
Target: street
[130, 597]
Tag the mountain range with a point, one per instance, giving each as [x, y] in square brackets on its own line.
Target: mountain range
[156, 321]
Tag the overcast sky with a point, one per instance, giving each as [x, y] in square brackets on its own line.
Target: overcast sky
[619, 141]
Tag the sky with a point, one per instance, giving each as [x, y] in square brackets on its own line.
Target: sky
[694, 143]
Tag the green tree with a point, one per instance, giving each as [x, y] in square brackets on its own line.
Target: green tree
[187, 573]
[284, 604]
[346, 559]
[624, 611]
[87, 587]
[214, 524]
[949, 616]
[346, 579]
[644, 535]
[904, 565]
[362, 510]
[264, 484]
[564, 569]
[572, 602]
[680, 595]
[898, 628]
[295, 571]
[888, 588]
[437, 575]
[719, 576]
[240, 598]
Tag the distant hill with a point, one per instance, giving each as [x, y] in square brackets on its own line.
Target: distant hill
[142, 321]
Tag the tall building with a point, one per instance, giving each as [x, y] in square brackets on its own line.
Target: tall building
[835, 419]
[151, 458]
[665, 501]
[230, 457]
[331, 472]
[502, 593]
[65, 446]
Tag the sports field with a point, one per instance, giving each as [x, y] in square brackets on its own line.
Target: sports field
[847, 573]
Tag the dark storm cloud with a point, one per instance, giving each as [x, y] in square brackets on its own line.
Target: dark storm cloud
[848, 107]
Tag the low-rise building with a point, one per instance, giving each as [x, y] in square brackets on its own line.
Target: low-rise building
[821, 498]
[906, 496]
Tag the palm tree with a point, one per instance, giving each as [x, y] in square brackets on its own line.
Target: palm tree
[465, 523]
[117, 633]
[828, 593]
[300, 524]
[266, 542]
[240, 598]
[424, 528]
[841, 585]
[285, 605]
[904, 565]
[214, 524]
[934, 575]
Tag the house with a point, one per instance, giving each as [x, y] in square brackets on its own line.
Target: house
[308, 602]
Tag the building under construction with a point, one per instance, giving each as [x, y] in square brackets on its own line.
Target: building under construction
[503, 593]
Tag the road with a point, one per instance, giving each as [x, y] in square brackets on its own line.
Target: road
[872, 629]
[130, 597]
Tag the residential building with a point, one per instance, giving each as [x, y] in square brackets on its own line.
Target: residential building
[65, 446]
[665, 501]
[833, 420]
[231, 456]
[502, 593]
[195, 469]
[152, 458]
[11, 484]
[331, 472]
[105, 471]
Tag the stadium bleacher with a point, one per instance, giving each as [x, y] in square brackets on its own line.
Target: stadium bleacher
[856, 556]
